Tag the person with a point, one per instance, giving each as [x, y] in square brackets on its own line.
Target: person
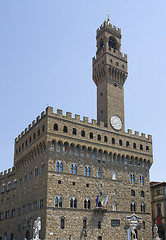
[133, 233]
[36, 228]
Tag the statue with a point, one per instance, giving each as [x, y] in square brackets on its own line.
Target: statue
[155, 232]
[133, 233]
[36, 229]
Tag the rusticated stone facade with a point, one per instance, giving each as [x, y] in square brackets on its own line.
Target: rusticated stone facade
[62, 164]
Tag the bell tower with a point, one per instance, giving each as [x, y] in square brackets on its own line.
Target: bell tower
[109, 75]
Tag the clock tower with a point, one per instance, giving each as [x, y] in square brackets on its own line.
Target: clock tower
[109, 75]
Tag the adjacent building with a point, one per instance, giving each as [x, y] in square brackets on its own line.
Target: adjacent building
[83, 178]
[158, 198]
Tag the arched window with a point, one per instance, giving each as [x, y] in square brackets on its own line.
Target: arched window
[141, 147]
[83, 133]
[3, 188]
[87, 203]
[113, 140]
[115, 206]
[99, 224]
[61, 167]
[99, 173]
[114, 175]
[141, 179]
[73, 168]
[99, 137]
[112, 43]
[132, 193]
[87, 171]
[62, 223]
[147, 149]
[101, 43]
[74, 131]
[36, 172]
[91, 135]
[142, 194]
[58, 201]
[84, 223]
[58, 147]
[120, 142]
[142, 207]
[105, 139]
[132, 178]
[73, 202]
[42, 168]
[57, 167]
[65, 129]
[133, 207]
[9, 186]
[15, 183]
[134, 145]
[56, 127]
[77, 149]
[38, 132]
[127, 144]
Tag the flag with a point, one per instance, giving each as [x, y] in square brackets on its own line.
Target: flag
[106, 200]
[102, 201]
[97, 200]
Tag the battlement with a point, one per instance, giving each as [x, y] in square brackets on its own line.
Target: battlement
[7, 172]
[34, 122]
[108, 25]
[94, 123]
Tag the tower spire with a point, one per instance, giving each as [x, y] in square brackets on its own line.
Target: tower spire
[108, 16]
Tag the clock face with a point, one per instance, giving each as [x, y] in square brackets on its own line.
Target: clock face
[116, 122]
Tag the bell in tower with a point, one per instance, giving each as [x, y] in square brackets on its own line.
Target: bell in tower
[109, 75]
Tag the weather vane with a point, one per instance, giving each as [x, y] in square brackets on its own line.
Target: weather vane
[108, 16]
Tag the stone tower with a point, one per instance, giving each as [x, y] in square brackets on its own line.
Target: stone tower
[109, 75]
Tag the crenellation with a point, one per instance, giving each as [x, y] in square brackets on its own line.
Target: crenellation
[5, 172]
[136, 134]
[94, 122]
[143, 135]
[77, 117]
[49, 110]
[37, 119]
[150, 137]
[69, 115]
[33, 123]
[9, 170]
[29, 126]
[22, 133]
[59, 112]
[129, 131]
[42, 114]
[19, 136]
[85, 119]
[26, 130]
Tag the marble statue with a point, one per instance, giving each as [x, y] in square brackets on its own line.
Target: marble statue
[36, 229]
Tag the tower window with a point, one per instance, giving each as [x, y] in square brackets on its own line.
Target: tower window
[127, 144]
[113, 140]
[65, 129]
[132, 193]
[117, 64]
[84, 223]
[142, 194]
[115, 84]
[133, 207]
[91, 135]
[83, 133]
[111, 60]
[101, 43]
[34, 136]
[141, 147]
[147, 149]
[38, 132]
[120, 142]
[132, 178]
[101, 94]
[112, 43]
[74, 131]
[105, 139]
[99, 137]
[122, 66]
[134, 145]
[99, 173]
[142, 207]
[56, 127]
[62, 223]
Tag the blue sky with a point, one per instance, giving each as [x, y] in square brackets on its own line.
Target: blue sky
[46, 50]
